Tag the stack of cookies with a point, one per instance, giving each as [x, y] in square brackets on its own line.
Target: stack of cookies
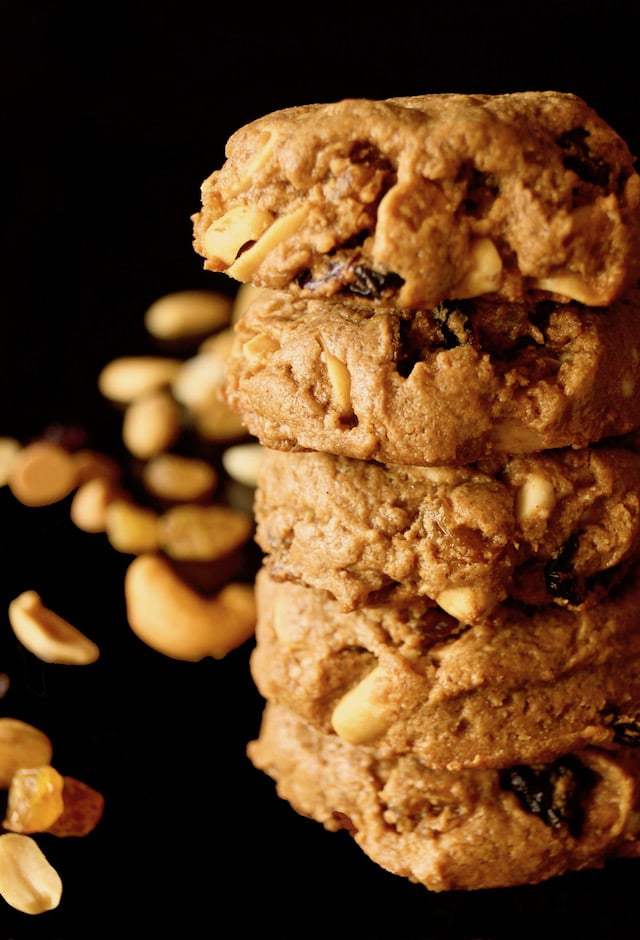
[442, 361]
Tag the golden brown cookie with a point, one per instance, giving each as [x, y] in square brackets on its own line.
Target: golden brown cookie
[445, 386]
[561, 526]
[414, 200]
[458, 831]
[524, 686]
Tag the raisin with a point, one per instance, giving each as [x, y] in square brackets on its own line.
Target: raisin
[352, 278]
[578, 158]
[454, 325]
[481, 191]
[559, 578]
[553, 791]
[626, 728]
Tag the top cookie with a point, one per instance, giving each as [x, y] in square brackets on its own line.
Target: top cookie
[414, 200]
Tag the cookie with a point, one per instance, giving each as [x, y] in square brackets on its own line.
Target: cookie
[558, 527]
[445, 386]
[524, 686]
[468, 830]
[414, 200]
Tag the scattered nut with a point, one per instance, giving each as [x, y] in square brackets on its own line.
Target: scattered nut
[21, 745]
[28, 882]
[128, 377]
[47, 635]
[130, 528]
[187, 313]
[90, 503]
[242, 462]
[9, 448]
[41, 473]
[151, 424]
[171, 618]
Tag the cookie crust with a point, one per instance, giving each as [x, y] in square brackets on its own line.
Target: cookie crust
[412, 200]
[444, 386]
[524, 686]
[453, 831]
[560, 527]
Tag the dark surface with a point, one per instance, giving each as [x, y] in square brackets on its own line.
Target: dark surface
[111, 118]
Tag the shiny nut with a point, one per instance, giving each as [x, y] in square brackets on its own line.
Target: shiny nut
[130, 528]
[179, 478]
[340, 381]
[243, 461]
[129, 377]
[47, 635]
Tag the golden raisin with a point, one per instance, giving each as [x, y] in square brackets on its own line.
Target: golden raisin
[35, 800]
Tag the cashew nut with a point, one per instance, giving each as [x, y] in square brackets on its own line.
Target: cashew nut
[170, 617]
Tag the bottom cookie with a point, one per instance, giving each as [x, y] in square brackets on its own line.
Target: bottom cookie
[462, 830]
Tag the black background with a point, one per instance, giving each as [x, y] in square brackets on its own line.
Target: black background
[112, 115]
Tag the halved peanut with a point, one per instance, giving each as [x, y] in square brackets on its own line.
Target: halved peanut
[225, 237]
[485, 270]
[187, 313]
[567, 284]
[21, 745]
[217, 423]
[28, 882]
[151, 424]
[90, 503]
[41, 473]
[242, 462]
[466, 604]
[129, 377]
[171, 618]
[47, 635]
[259, 347]
[362, 714]
[251, 259]
[340, 381]
[535, 500]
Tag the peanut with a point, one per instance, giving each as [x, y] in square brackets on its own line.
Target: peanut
[28, 882]
[129, 377]
[187, 313]
[178, 478]
[242, 462]
[47, 635]
[362, 714]
[41, 473]
[151, 424]
[21, 745]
